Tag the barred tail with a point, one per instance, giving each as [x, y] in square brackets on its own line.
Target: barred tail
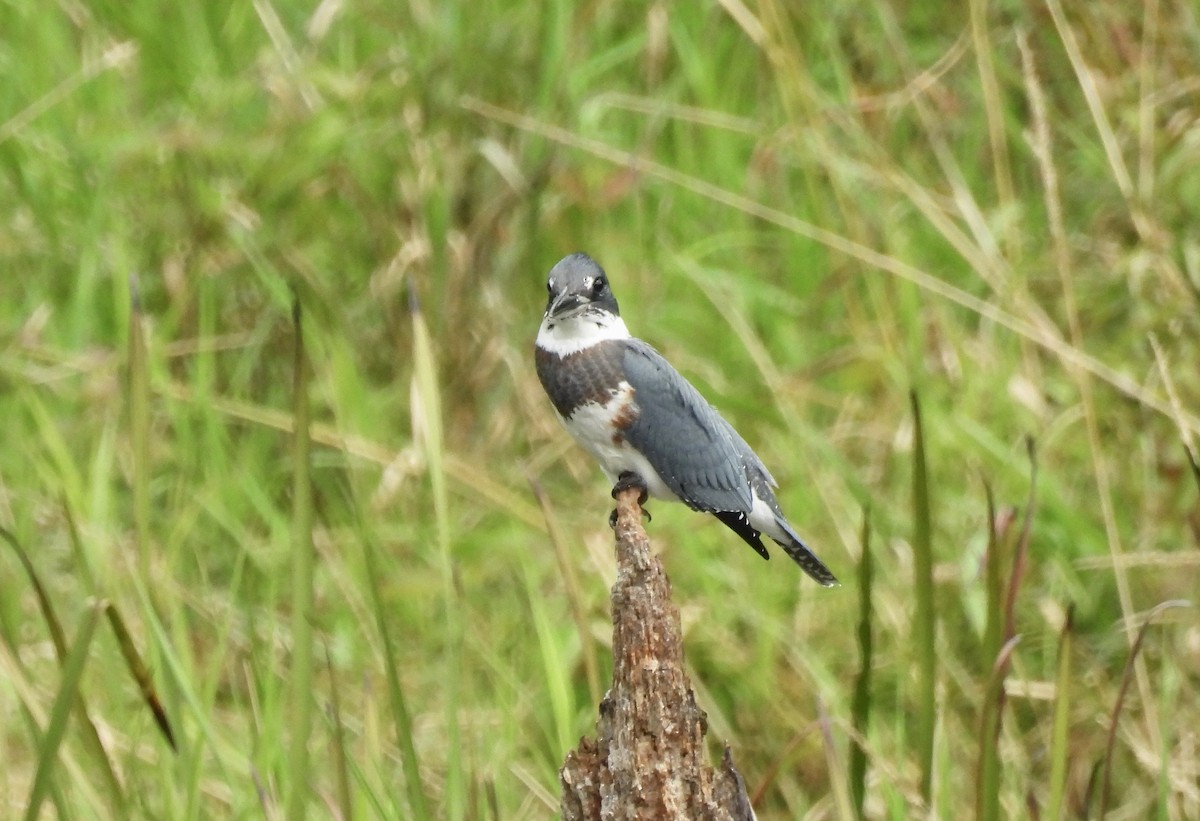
[801, 555]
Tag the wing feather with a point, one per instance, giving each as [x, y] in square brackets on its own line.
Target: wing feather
[697, 453]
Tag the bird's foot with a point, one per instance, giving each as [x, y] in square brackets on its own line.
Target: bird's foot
[612, 517]
[627, 481]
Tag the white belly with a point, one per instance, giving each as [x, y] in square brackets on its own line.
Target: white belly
[591, 426]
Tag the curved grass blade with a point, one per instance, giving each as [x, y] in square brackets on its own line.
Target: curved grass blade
[141, 674]
[1018, 565]
[64, 703]
[58, 637]
[987, 777]
[1126, 678]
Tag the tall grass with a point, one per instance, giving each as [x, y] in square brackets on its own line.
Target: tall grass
[924, 619]
[300, 701]
[809, 211]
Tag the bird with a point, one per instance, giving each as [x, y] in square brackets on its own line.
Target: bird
[645, 424]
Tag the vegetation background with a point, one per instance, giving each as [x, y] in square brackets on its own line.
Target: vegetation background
[811, 209]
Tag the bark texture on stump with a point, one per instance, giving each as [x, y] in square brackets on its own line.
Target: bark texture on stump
[648, 760]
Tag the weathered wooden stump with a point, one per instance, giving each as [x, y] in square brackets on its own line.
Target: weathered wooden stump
[648, 760]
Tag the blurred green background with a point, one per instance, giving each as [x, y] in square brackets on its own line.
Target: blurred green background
[812, 210]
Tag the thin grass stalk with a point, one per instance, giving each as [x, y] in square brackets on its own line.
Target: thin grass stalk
[1042, 146]
[587, 644]
[838, 777]
[977, 245]
[860, 708]
[556, 682]
[91, 736]
[987, 775]
[82, 561]
[418, 803]
[987, 768]
[924, 624]
[60, 712]
[230, 757]
[1062, 721]
[1169, 760]
[301, 673]
[57, 636]
[427, 403]
[345, 803]
[993, 581]
[1086, 81]
[34, 716]
[1127, 675]
[1148, 68]
[140, 672]
[139, 429]
[993, 105]
[1021, 554]
[1189, 443]
[1001, 626]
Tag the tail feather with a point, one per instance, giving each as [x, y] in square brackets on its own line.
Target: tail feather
[801, 555]
[739, 524]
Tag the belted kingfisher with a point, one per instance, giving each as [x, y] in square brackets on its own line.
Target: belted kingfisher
[644, 423]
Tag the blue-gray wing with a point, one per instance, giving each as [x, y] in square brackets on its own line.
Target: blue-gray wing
[697, 454]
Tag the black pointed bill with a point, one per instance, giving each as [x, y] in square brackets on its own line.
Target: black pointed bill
[566, 303]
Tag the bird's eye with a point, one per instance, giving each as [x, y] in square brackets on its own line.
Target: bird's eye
[549, 286]
[598, 286]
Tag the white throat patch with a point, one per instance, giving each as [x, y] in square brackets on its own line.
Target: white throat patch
[573, 334]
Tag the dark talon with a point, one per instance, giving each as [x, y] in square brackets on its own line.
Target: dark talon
[612, 517]
[628, 479]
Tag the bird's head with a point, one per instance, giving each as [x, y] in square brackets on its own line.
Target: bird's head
[578, 288]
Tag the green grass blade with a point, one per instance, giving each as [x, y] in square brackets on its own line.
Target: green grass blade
[345, 803]
[301, 696]
[1127, 678]
[987, 775]
[91, 736]
[587, 645]
[1185, 432]
[57, 636]
[838, 777]
[556, 671]
[139, 428]
[924, 625]
[1017, 572]
[77, 549]
[1062, 720]
[414, 787]
[64, 704]
[428, 400]
[998, 530]
[860, 710]
[141, 674]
